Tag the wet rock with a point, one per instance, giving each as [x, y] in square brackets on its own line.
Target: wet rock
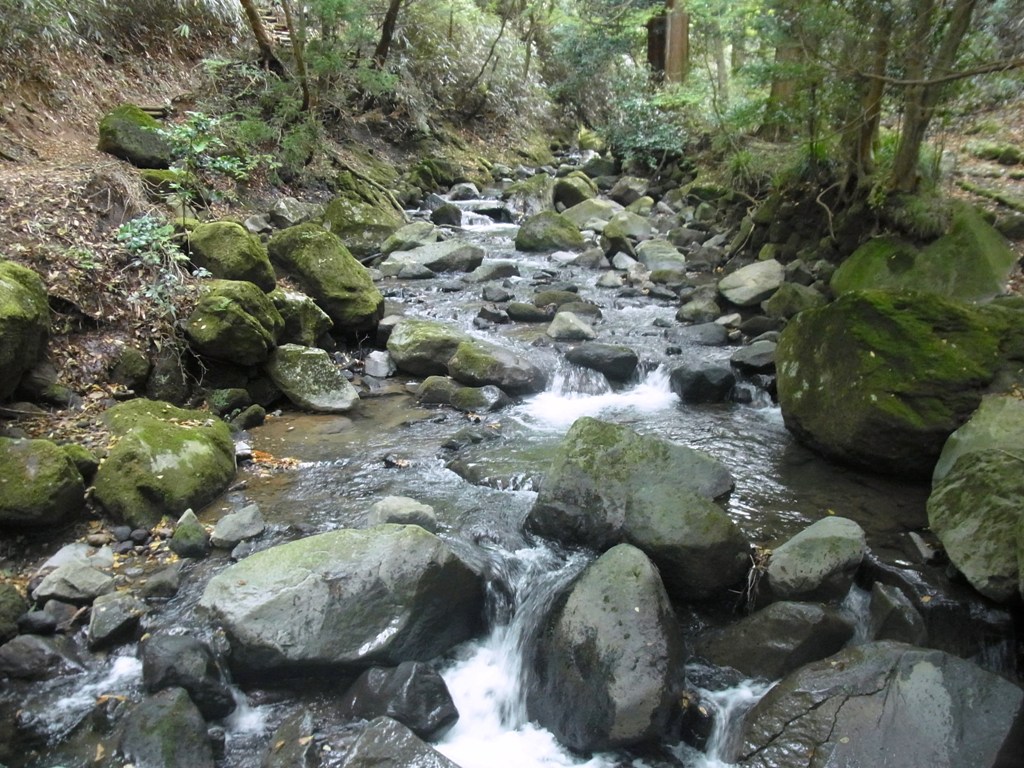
[293, 743]
[893, 617]
[411, 693]
[447, 215]
[710, 384]
[411, 236]
[548, 231]
[885, 703]
[659, 255]
[758, 357]
[437, 390]
[790, 299]
[447, 256]
[615, 361]
[613, 649]
[246, 523]
[345, 599]
[479, 363]
[40, 485]
[185, 662]
[493, 270]
[131, 134]
[74, 582]
[403, 511]
[491, 314]
[424, 347]
[234, 321]
[304, 321]
[464, 190]
[522, 312]
[327, 271]
[114, 619]
[819, 563]
[386, 743]
[163, 583]
[703, 334]
[777, 640]
[496, 294]
[38, 622]
[702, 309]
[190, 539]
[166, 731]
[750, 285]
[12, 607]
[310, 379]
[567, 326]
[584, 215]
[486, 399]
[193, 456]
[228, 252]
[33, 657]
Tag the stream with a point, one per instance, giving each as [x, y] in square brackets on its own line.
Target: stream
[389, 445]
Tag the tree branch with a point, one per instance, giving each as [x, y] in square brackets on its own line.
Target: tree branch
[1003, 65]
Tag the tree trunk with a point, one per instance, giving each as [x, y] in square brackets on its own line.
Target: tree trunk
[298, 51]
[387, 34]
[863, 132]
[779, 112]
[264, 41]
[721, 67]
[922, 96]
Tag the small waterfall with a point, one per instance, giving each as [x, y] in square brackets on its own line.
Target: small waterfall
[856, 606]
[730, 705]
[487, 680]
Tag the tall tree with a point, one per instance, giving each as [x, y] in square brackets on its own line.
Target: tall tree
[264, 42]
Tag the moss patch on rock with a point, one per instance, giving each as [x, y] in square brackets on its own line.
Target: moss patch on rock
[229, 252]
[548, 231]
[24, 323]
[234, 321]
[130, 134]
[361, 216]
[40, 485]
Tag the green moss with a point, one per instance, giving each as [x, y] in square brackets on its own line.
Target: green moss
[548, 231]
[39, 484]
[129, 133]
[234, 321]
[228, 251]
[24, 323]
[361, 216]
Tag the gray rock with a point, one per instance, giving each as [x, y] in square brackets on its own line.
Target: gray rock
[412, 236]
[403, 511]
[345, 599]
[166, 731]
[246, 523]
[702, 309]
[310, 379]
[582, 214]
[31, 657]
[41, 485]
[885, 704]
[614, 650]
[412, 693]
[997, 424]
[659, 254]
[615, 361]
[790, 299]
[448, 256]
[287, 212]
[497, 269]
[628, 189]
[114, 618]
[707, 384]
[496, 294]
[893, 617]
[304, 322]
[190, 539]
[184, 661]
[437, 390]
[567, 326]
[292, 745]
[379, 364]
[74, 582]
[386, 743]
[486, 399]
[447, 215]
[548, 231]
[234, 321]
[424, 347]
[529, 313]
[702, 334]
[163, 583]
[752, 284]
[818, 563]
[758, 357]
[479, 363]
[777, 639]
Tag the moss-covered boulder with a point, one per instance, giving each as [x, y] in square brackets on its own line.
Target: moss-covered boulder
[166, 730]
[791, 299]
[479, 363]
[12, 606]
[24, 323]
[548, 231]
[164, 461]
[424, 347]
[880, 380]
[234, 321]
[304, 321]
[531, 196]
[573, 189]
[310, 379]
[971, 262]
[130, 134]
[998, 424]
[327, 271]
[39, 484]
[228, 251]
[592, 214]
[361, 216]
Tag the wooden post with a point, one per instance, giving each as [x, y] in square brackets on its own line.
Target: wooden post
[677, 45]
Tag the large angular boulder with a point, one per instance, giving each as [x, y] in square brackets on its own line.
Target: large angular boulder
[614, 650]
[659, 254]
[131, 134]
[386, 743]
[591, 213]
[573, 189]
[885, 704]
[234, 321]
[531, 196]
[361, 217]
[310, 379]
[446, 256]
[327, 271]
[411, 236]
[616, 361]
[880, 380]
[972, 262]
[185, 661]
[548, 231]
[424, 347]
[24, 323]
[229, 252]
[750, 285]
[165, 460]
[77, 582]
[412, 693]
[346, 599]
[304, 322]
[818, 563]
[479, 363]
[166, 731]
[39, 484]
[998, 424]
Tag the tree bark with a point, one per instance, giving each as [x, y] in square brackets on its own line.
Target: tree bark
[387, 33]
[298, 37]
[264, 42]
[863, 132]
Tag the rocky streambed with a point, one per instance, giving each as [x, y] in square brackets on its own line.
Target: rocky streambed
[549, 513]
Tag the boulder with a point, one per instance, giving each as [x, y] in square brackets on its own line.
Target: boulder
[190, 539]
[437, 390]
[614, 650]
[750, 285]
[12, 607]
[602, 471]
[659, 255]
[548, 231]
[165, 460]
[293, 743]
[777, 639]
[236, 527]
[885, 704]
[327, 271]
[573, 189]
[386, 743]
[185, 661]
[465, 190]
[41, 486]
[628, 189]
[583, 215]
[304, 322]
[361, 217]
[818, 563]
[706, 384]
[424, 347]
[403, 511]
[616, 361]
[485, 399]
[234, 321]
[880, 380]
[24, 324]
[310, 379]
[893, 617]
[446, 256]
[113, 619]
[131, 134]
[288, 212]
[998, 424]
[531, 196]
[623, 230]
[791, 299]
[345, 599]
[77, 582]
[972, 262]
[411, 236]
[497, 269]
[567, 326]
[479, 363]
[521, 312]
[447, 215]
[758, 357]
[32, 657]
[412, 693]
[700, 309]
[166, 731]
[228, 252]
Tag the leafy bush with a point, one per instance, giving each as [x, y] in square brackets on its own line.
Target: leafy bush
[160, 264]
